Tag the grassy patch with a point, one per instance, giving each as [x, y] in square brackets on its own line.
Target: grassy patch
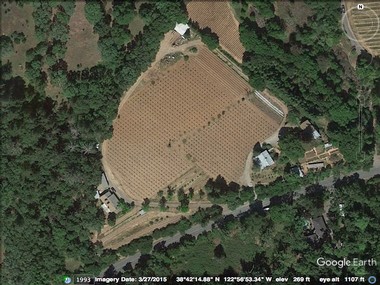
[72, 264]
[200, 256]
[136, 25]
[82, 46]
[19, 19]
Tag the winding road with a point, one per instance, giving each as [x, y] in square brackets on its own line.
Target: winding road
[198, 229]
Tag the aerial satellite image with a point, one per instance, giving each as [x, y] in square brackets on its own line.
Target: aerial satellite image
[190, 142]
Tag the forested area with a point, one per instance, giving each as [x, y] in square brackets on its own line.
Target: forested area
[50, 164]
[274, 243]
[310, 73]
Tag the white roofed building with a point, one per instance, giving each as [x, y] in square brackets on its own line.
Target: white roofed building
[181, 28]
[264, 159]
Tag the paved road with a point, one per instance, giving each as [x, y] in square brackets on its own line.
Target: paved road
[347, 28]
[198, 229]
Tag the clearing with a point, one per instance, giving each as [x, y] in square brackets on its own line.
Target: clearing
[219, 17]
[294, 14]
[82, 45]
[192, 113]
[18, 19]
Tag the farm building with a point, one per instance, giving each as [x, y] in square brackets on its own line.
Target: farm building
[310, 130]
[181, 28]
[110, 201]
[104, 184]
[315, 165]
[264, 159]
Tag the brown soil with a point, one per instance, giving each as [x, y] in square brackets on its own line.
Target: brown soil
[219, 17]
[192, 113]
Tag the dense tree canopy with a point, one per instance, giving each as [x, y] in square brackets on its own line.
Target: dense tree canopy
[50, 165]
[274, 242]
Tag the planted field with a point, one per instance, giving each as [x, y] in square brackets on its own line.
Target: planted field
[366, 24]
[82, 46]
[193, 113]
[219, 17]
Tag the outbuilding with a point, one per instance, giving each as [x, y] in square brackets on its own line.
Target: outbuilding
[181, 28]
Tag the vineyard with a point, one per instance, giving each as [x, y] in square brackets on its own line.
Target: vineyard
[218, 16]
[193, 113]
[366, 24]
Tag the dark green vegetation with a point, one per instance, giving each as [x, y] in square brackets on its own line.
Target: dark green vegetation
[290, 144]
[144, 244]
[50, 165]
[274, 243]
[208, 37]
[234, 195]
[309, 72]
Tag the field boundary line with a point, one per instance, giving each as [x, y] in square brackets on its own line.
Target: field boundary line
[269, 104]
[233, 65]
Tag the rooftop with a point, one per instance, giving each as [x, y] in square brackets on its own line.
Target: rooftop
[110, 200]
[319, 226]
[265, 159]
[181, 28]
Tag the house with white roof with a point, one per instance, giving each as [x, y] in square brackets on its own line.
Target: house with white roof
[264, 159]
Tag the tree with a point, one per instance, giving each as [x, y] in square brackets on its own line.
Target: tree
[18, 37]
[191, 193]
[6, 45]
[290, 144]
[219, 251]
[111, 219]
[94, 11]
[183, 199]
[124, 206]
[171, 192]
[163, 203]
[210, 38]
[145, 204]
[123, 12]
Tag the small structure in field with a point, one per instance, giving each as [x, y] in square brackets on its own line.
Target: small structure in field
[181, 28]
[309, 129]
[110, 201]
[327, 145]
[264, 159]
